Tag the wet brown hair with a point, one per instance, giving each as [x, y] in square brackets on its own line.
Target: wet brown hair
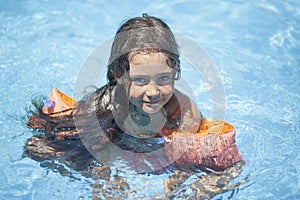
[145, 34]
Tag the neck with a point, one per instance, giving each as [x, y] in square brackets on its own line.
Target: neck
[139, 116]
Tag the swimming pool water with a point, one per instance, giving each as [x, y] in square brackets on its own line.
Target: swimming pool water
[254, 44]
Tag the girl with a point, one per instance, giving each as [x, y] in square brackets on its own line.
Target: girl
[138, 111]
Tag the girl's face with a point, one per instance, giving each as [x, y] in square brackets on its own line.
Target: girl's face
[150, 81]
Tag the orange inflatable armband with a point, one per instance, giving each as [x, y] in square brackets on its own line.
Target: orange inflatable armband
[59, 104]
[213, 146]
[206, 126]
[217, 127]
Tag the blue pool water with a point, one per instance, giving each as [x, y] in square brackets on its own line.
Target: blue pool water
[254, 44]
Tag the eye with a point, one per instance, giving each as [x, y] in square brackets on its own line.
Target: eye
[163, 80]
[140, 81]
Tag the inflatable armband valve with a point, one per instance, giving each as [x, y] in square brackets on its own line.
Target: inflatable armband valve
[59, 103]
[49, 103]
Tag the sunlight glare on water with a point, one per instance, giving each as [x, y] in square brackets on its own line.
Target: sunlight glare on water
[254, 44]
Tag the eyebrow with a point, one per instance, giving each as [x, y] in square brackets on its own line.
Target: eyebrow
[145, 75]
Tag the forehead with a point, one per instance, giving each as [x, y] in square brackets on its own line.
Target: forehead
[149, 63]
[144, 58]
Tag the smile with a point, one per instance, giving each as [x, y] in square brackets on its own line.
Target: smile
[152, 102]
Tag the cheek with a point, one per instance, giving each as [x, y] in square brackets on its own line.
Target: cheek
[166, 90]
[135, 92]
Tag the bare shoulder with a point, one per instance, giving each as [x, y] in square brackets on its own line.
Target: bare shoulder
[182, 102]
[179, 95]
[185, 101]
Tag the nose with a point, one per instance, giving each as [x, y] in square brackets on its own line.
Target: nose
[152, 90]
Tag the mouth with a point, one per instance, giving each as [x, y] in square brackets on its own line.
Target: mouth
[152, 102]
